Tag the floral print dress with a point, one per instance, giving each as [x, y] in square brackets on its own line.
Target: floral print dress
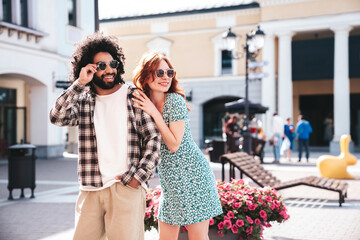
[189, 192]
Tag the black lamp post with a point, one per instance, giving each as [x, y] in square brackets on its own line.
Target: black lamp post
[254, 43]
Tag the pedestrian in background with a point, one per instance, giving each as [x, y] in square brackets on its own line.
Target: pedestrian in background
[303, 131]
[119, 146]
[277, 134]
[289, 132]
[189, 193]
[232, 131]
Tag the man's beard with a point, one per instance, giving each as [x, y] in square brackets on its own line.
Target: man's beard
[99, 81]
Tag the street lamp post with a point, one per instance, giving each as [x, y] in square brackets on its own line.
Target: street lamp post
[253, 44]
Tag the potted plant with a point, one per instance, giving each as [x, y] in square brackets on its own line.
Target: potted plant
[246, 211]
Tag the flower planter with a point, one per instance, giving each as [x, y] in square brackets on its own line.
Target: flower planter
[247, 211]
[212, 236]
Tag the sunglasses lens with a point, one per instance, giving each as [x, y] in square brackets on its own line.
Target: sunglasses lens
[170, 73]
[114, 64]
[101, 66]
[159, 73]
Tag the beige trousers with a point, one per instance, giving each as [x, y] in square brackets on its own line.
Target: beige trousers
[116, 212]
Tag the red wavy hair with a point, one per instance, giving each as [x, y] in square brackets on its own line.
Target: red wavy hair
[148, 64]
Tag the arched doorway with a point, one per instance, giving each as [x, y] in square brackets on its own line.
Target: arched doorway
[15, 109]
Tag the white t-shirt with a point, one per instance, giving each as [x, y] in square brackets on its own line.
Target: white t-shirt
[277, 125]
[110, 121]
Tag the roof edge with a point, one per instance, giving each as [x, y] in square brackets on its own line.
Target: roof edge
[173, 14]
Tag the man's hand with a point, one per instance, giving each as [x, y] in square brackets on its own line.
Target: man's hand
[133, 182]
[87, 73]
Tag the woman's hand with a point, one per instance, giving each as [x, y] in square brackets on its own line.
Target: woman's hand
[144, 103]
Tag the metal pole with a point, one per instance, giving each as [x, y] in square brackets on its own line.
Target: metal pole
[247, 138]
[96, 15]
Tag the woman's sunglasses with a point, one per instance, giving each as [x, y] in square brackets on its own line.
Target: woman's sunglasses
[160, 73]
[102, 65]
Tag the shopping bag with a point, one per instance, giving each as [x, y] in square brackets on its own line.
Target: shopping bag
[285, 146]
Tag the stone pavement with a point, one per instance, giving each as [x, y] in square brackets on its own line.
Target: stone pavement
[314, 213]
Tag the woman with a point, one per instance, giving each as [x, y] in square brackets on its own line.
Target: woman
[189, 193]
[289, 132]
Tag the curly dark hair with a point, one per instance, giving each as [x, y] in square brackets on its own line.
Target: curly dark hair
[88, 48]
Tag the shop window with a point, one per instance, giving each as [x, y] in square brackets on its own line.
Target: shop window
[72, 12]
[6, 6]
[226, 62]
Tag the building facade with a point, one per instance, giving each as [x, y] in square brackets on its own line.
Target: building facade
[312, 49]
[36, 42]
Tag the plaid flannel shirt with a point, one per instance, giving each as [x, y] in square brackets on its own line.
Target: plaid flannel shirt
[75, 107]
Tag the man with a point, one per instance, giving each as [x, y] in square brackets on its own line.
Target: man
[277, 134]
[303, 130]
[119, 146]
[232, 134]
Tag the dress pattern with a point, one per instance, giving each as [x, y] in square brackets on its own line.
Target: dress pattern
[189, 192]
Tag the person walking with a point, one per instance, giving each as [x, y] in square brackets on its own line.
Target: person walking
[303, 131]
[277, 134]
[189, 193]
[119, 146]
[289, 132]
[232, 134]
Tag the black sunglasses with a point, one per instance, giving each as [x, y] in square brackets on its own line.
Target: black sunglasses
[160, 73]
[102, 65]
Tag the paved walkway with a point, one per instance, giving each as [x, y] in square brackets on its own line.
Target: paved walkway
[314, 212]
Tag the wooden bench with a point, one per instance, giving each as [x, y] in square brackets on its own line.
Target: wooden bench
[255, 171]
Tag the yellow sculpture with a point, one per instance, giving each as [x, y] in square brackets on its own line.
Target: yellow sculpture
[335, 166]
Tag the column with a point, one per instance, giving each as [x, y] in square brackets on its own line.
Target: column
[285, 93]
[33, 14]
[341, 86]
[15, 12]
[268, 95]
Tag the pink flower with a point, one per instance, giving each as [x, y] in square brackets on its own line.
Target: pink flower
[237, 205]
[263, 215]
[267, 225]
[228, 224]
[220, 233]
[183, 229]
[249, 230]
[257, 221]
[249, 220]
[221, 225]
[268, 198]
[252, 207]
[239, 182]
[272, 206]
[284, 215]
[234, 229]
[230, 214]
[239, 223]
[211, 222]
